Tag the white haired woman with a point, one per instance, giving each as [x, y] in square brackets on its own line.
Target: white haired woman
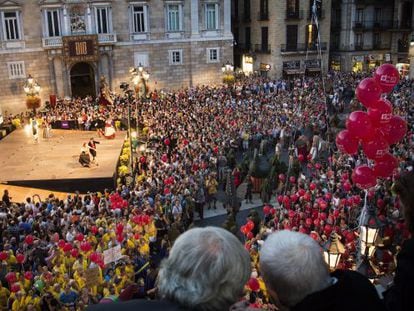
[297, 277]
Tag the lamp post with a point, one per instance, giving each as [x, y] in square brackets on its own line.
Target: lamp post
[228, 73]
[333, 249]
[32, 91]
[369, 231]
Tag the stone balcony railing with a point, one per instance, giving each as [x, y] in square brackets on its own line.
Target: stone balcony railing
[56, 42]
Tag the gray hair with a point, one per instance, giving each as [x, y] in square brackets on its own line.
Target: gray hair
[206, 270]
[292, 265]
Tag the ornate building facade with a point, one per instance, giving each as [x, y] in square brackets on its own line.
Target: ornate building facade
[280, 37]
[368, 33]
[67, 45]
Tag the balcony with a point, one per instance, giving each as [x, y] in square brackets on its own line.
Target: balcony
[56, 42]
[262, 48]
[302, 48]
[294, 15]
[107, 38]
[263, 16]
[246, 47]
[373, 2]
[52, 42]
[405, 25]
[381, 46]
[372, 25]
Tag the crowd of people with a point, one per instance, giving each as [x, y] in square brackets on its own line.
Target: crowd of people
[51, 249]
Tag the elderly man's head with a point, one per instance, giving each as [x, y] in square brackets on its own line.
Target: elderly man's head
[293, 267]
[206, 270]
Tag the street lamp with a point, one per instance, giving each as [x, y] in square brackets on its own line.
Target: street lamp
[369, 231]
[228, 73]
[140, 79]
[333, 249]
[32, 90]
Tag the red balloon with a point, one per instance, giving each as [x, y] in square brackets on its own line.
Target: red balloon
[387, 77]
[307, 197]
[294, 198]
[356, 199]
[61, 244]
[380, 203]
[291, 214]
[11, 277]
[28, 275]
[349, 237]
[4, 255]
[249, 235]
[15, 288]
[385, 166]
[363, 177]
[272, 211]
[359, 125]
[376, 149]
[266, 209]
[254, 284]
[119, 228]
[318, 166]
[167, 141]
[67, 248]
[120, 238]
[250, 225]
[301, 192]
[282, 177]
[381, 113]
[20, 258]
[316, 222]
[301, 157]
[312, 186]
[94, 257]
[368, 92]
[137, 236]
[308, 222]
[346, 142]
[29, 239]
[74, 253]
[280, 199]
[94, 229]
[347, 186]
[396, 130]
[85, 247]
[323, 205]
[79, 237]
[292, 179]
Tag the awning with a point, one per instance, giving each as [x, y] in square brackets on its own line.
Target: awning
[294, 71]
[313, 69]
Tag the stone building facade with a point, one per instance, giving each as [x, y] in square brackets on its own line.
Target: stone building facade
[367, 33]
[279, 37]
[67, 45]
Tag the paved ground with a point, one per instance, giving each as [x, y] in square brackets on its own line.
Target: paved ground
[55, 158]
[19, 194]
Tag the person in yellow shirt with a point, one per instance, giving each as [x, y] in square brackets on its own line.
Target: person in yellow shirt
[18, 303]
[4, 295]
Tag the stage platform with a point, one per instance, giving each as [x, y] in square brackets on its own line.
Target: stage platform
[52, 163]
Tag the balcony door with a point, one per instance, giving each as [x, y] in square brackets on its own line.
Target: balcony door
[291, 37]
[82, 80]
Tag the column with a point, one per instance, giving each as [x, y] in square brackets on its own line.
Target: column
[88, 20]
[227, 18]
[194, 19]
[66, 21]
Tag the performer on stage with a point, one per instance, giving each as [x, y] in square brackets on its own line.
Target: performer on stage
[92, 149]
[84, 158]
[109, 129]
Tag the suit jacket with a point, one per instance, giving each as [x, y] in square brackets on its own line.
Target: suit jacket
[353, 291]
[398, 297]
[141, 305]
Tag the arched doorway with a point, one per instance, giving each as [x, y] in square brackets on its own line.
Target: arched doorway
[82, 80]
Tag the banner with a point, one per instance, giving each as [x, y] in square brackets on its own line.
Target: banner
[83, 48]
[112, 255]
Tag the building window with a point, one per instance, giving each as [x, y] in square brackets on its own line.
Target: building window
[139, 13]
[53, 23]
[211, 16]
[291, 37]
[247, 37]
[292, 8]
[213, 55]
[11, 25]
[264, 9]
[358, 41]
[246, 10]
[359, 15]
[377, 15]
[376, 40]
[176, 57]
[16, 70]
[102, 19]
[174, 17]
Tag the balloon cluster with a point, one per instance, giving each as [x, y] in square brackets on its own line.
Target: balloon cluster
[375, 130]
[117, 202]
[247, 229]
